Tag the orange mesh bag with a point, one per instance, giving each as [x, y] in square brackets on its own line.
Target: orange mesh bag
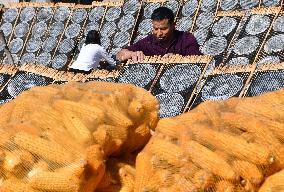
[217, 146]
[58, 138]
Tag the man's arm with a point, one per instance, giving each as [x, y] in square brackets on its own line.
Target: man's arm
[124, 55]
[134, 51]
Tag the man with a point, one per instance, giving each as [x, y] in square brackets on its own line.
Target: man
[164, 41]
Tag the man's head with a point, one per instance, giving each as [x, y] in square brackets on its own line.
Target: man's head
[163, 23]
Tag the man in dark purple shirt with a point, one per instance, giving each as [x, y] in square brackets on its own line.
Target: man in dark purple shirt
[164, 41]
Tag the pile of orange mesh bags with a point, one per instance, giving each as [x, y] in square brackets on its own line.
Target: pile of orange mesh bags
[85, 137]
[232, 145]
[74, 137]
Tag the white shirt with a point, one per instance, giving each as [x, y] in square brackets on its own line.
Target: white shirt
[90, 56]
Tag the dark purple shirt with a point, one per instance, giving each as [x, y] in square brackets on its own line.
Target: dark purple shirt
[183, 44]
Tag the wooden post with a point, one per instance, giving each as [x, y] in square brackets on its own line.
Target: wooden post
[5, 47]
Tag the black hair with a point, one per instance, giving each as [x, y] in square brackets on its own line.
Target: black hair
[93, 37]
[163, 13]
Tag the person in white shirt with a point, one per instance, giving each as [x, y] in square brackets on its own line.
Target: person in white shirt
[91, 54]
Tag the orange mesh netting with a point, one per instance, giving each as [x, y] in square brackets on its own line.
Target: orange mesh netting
[231, 145]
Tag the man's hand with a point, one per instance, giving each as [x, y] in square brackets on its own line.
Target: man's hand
[168, 55]
[124, 55]
[137, 56]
